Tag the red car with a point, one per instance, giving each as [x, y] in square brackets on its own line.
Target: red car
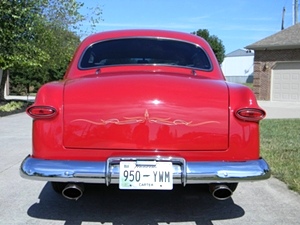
[145, 109]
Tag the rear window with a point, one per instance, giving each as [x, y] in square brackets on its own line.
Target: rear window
[144, 51]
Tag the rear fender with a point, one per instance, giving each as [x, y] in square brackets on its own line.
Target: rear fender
[47, 133]
[244, 135]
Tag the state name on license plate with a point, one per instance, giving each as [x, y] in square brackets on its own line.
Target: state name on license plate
[146, 175]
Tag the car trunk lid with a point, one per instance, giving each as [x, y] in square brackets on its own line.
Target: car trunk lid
[146, 111]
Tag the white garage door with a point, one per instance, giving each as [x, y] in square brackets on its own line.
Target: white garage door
[286, 82]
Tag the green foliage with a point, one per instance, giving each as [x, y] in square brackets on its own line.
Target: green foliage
[11, 106]
[59, 45]
[38, 39]
[249, 85]
[280, 145]
[215, 43]
[18, 20]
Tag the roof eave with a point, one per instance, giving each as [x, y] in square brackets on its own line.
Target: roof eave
[272, 47]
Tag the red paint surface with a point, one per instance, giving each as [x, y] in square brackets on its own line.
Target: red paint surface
[145, 111]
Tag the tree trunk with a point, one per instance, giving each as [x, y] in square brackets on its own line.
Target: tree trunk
[2, 84]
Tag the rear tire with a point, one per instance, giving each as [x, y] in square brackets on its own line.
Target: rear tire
[58, 187]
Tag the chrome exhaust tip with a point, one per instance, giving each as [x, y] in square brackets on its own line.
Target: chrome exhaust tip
[73, 191]
[220, 191]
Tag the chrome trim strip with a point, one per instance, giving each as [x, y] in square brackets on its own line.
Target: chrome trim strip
[108, 172]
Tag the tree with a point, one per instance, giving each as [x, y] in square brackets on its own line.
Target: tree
[24, 27]
[215, 43]
[17, 47]
[59, 44]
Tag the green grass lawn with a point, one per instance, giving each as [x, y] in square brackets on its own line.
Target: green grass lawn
[280, 146]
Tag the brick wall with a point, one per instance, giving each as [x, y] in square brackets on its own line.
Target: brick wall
[264, 61]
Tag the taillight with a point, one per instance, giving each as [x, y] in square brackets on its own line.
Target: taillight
[41, 112]
[250, 114]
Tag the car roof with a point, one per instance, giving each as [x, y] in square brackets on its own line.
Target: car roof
[145, 33]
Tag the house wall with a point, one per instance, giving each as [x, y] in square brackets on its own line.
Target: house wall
[264, 61]
[240, 79]
[238, 69]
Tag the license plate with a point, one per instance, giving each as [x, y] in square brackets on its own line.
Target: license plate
[146, 175]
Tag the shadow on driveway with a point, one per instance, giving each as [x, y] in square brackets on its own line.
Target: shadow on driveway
[111, 205]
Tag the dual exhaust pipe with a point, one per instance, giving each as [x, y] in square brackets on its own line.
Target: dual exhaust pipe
[220, 191]
[74, 191]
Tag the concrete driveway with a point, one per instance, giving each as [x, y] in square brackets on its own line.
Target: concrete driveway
[33, 202]
[281, 110]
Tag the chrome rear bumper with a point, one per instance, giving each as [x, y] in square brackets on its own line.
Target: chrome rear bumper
[108, 172]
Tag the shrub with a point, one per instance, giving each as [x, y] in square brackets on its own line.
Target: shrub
[11, 106]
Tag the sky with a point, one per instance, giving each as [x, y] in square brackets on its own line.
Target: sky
[237, 23]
